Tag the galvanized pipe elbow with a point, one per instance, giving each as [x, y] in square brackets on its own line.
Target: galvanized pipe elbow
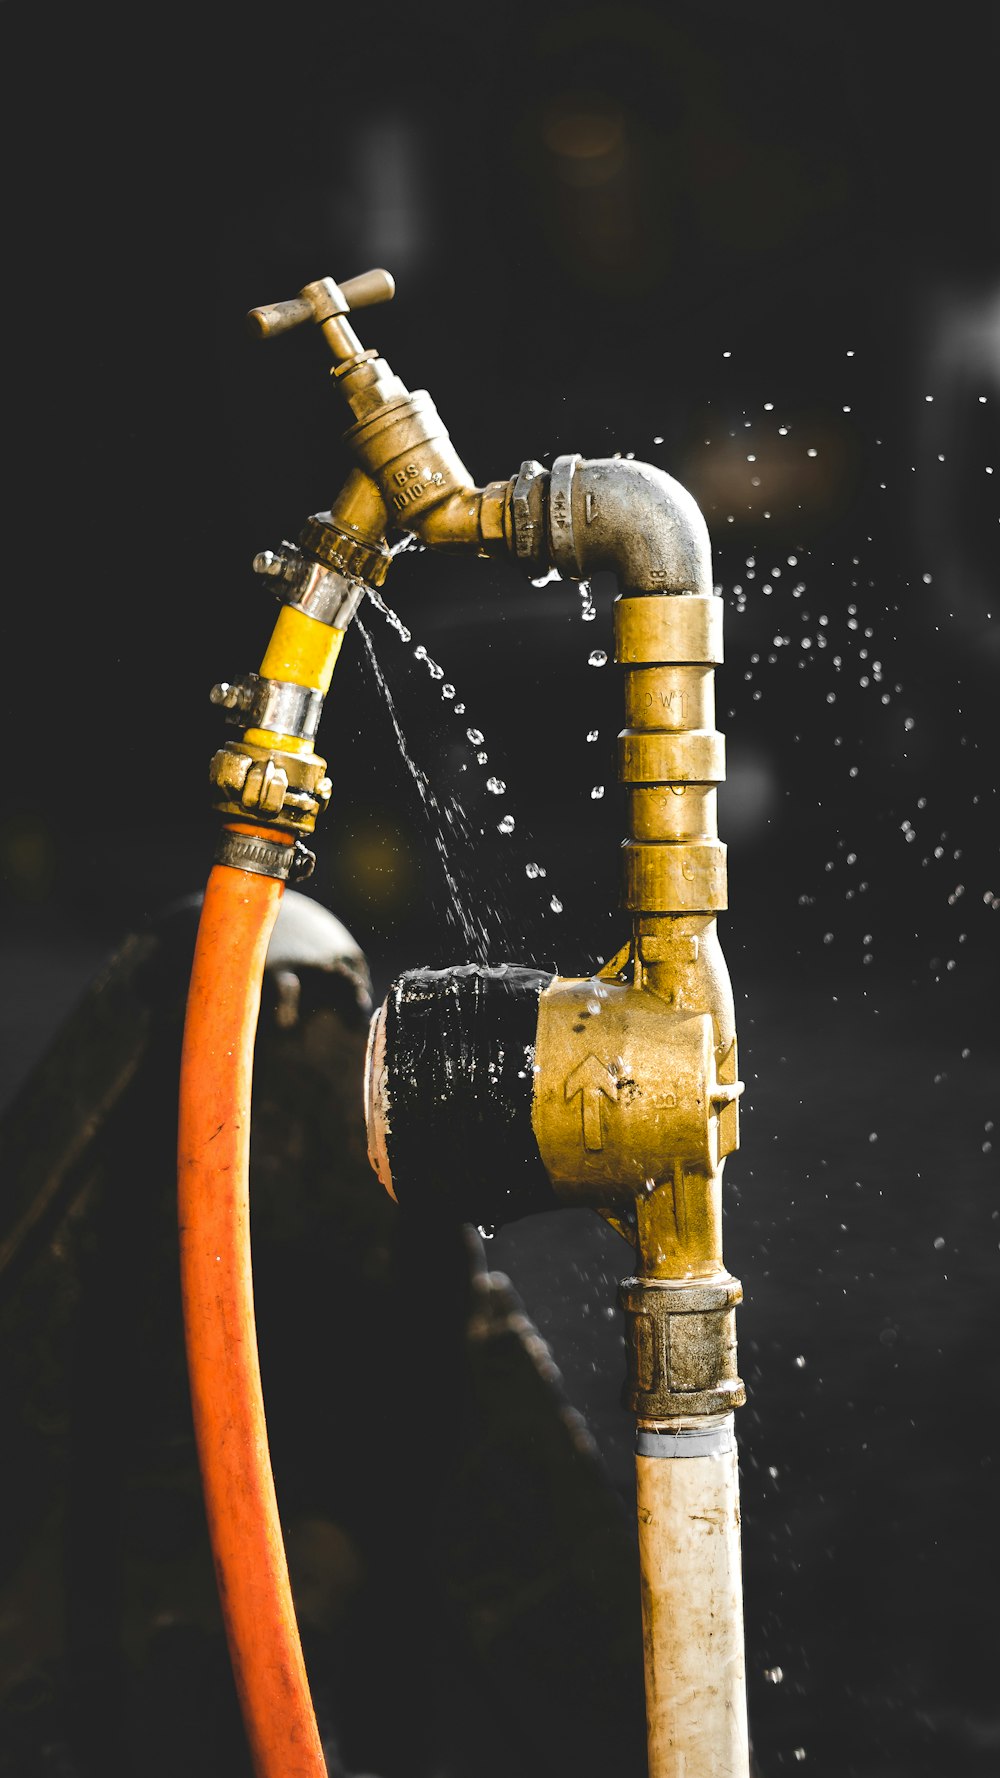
[610, 513]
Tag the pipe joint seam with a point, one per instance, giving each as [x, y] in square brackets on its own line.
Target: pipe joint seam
[686, 1441]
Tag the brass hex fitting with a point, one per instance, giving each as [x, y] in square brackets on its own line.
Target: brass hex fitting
[352, 556]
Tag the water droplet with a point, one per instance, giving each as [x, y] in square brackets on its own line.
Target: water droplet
[597, 658]
[505, 824]
[800, 1363]
[556, 905]
[447, 691]
[496, 785]
[773, 1675]
[475, 735]
[459, 709]
[487, 1230]
[482, 757]
[597, 792]
[592, 734]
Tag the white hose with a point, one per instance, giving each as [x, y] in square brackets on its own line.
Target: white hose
[692, 1600]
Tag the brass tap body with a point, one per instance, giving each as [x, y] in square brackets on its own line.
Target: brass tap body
[410, 476]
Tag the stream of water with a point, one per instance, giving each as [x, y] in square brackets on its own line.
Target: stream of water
[449, 822]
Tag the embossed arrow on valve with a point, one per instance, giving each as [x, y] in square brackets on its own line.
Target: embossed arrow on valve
[590, 1079]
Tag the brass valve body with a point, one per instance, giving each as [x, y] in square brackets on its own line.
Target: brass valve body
[626, 1097]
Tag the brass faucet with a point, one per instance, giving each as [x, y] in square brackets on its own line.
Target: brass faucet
[631, 1102]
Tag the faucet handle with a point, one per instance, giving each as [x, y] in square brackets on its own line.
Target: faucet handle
[321, 302]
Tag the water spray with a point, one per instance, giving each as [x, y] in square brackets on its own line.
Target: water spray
[491, 1093]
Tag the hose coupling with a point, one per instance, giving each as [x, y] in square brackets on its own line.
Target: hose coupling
[680, 1338]
[287, 790]
[325, 574]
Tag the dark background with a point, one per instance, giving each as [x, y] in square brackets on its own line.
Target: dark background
[670, 231]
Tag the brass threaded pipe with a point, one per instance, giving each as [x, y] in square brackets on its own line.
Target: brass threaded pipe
[671, 757]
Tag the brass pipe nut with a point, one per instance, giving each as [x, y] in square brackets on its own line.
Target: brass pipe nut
[527, 509]
[349, 556]
[680, 1340]
[671, 876]
[288, 789]
[667, 756]
[669, 628]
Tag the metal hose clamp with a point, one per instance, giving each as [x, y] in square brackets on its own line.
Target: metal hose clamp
[277, 705]
[327, 594]
[264, 858]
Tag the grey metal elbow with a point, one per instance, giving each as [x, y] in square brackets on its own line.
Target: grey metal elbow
[610, 513]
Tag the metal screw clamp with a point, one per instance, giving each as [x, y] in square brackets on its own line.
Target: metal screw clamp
[273, 704]
[323, 593]
[263, 857]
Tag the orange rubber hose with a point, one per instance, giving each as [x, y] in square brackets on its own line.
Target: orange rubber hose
[237, 919]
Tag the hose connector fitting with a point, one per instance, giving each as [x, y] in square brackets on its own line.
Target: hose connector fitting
[286, 790]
